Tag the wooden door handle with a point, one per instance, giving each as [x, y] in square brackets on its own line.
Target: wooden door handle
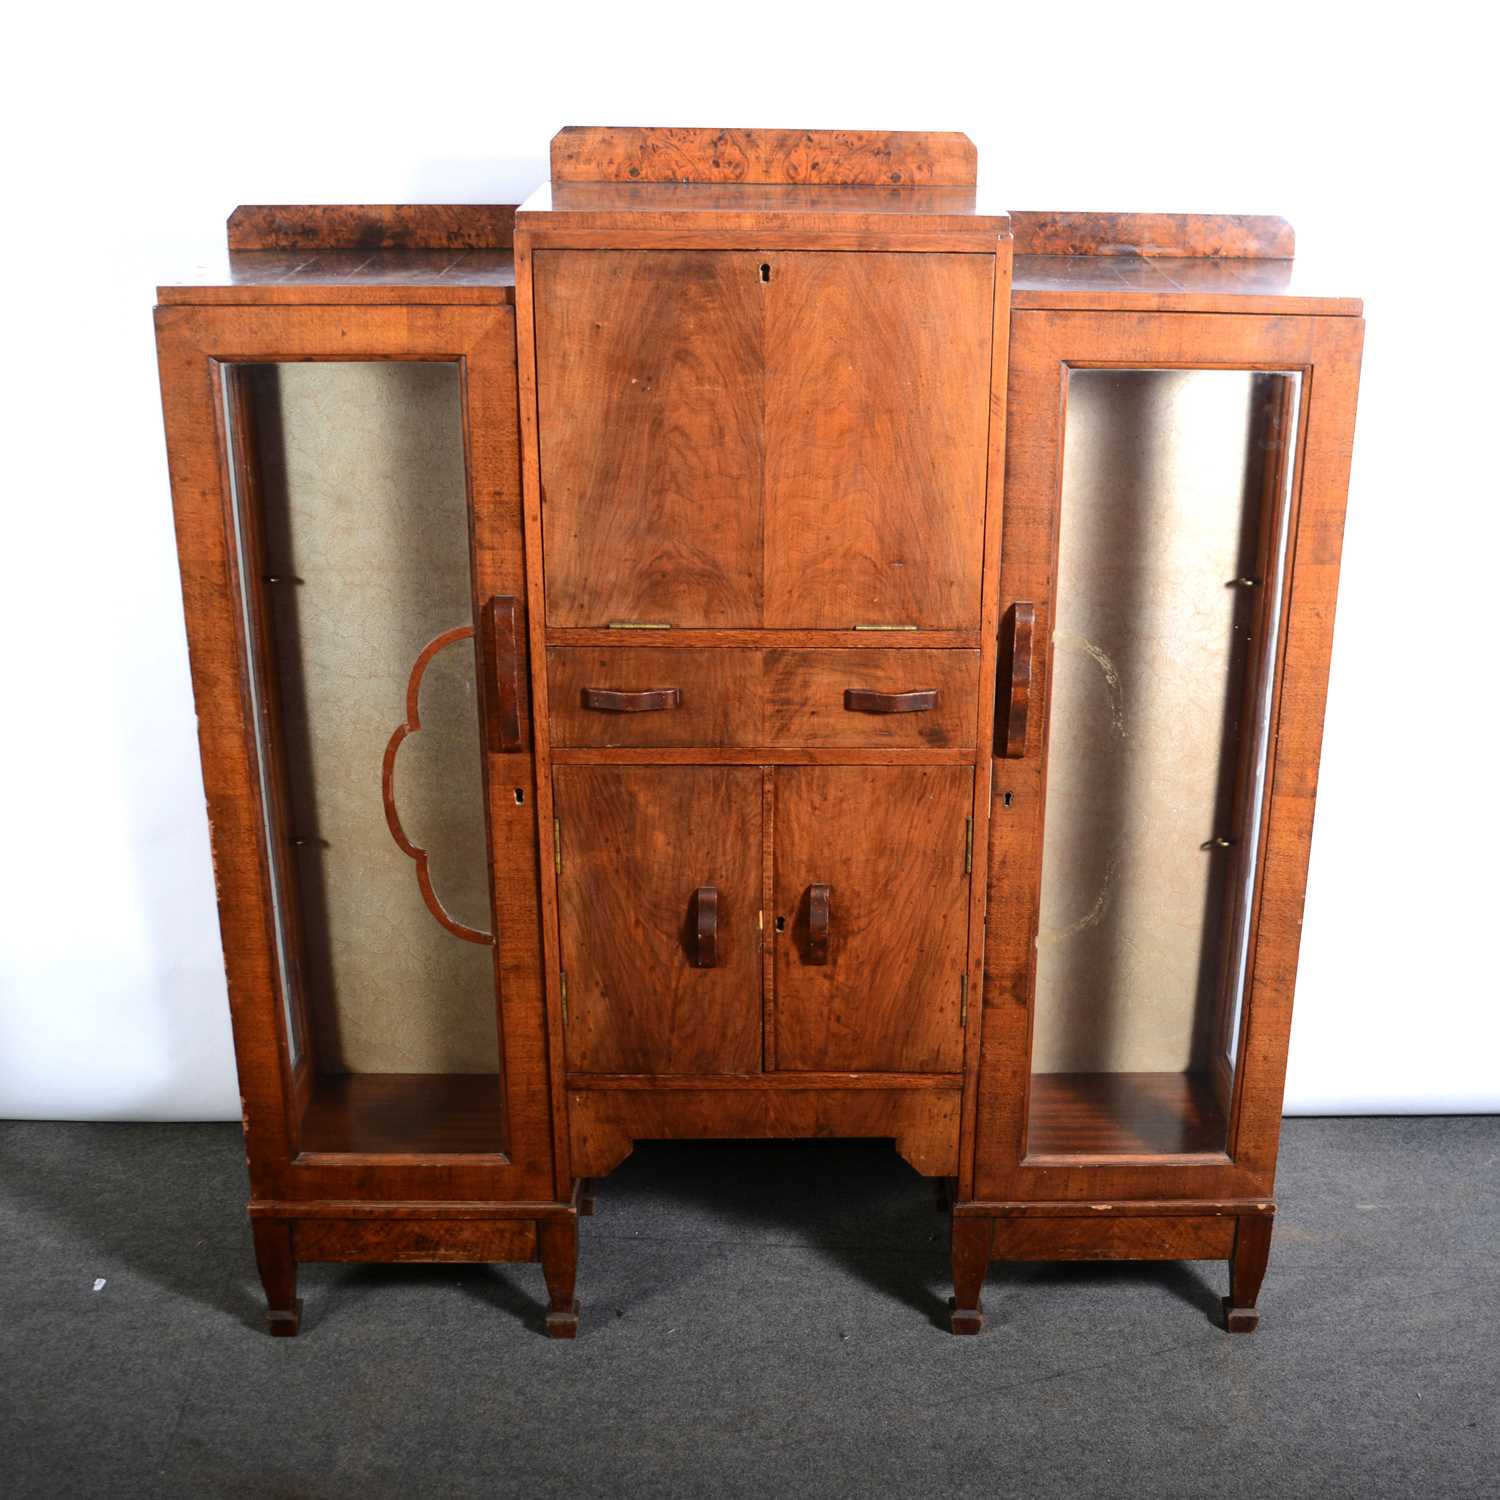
[502, 642]
[1016, 667]
[869, 701]
[706, 927]
[651, 700]
[817, 924]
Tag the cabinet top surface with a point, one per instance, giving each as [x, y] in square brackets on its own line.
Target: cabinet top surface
[292, 277]
[1134, 283]
[1059, 282]
[425, 254]
[603, 199]
[589, 214]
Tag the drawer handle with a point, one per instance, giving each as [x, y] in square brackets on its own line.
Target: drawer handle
[869, 701]
[817, 924]
[706, 927]
[651, 700]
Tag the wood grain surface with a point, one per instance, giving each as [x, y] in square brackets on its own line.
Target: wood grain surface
[748, 698]
[689, 478]
[649, 371]
[1135, 283]
[1107, 1237]
[889, 843]
[721, 701]
[423, 1241]
[876, 412]
[633, 154]
[390, 1114]
[1234, 236]
[1124, 1114]
[805, 693]
[636, 845]
[377, 226]
[922, 1123]
[291, 278]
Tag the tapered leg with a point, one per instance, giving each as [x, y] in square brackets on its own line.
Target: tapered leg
[1247, 1267]
[559, 1250]
[972, 1242]
[278, 1275]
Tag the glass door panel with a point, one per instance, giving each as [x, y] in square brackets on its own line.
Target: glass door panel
[352, 529]
[1175, 494]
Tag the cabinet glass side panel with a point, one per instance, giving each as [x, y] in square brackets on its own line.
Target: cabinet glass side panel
[352, 526]
[1171, 559]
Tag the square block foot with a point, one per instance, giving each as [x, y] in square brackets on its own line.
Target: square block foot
[1240, 1319]
[563, 1325]
[283, 1323]
[964, 1319]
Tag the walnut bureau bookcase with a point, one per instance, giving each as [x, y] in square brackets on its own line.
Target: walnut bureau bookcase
[757, 643]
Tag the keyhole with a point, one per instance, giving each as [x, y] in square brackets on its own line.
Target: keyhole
[1006, 800]
[520, 798]
[781, 924]
[765, 271]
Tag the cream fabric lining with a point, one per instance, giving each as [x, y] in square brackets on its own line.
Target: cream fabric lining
[364, 490]
[1161, 483]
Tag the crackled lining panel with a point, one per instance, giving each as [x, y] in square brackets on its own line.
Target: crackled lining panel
[1160, 503]
[363, 483]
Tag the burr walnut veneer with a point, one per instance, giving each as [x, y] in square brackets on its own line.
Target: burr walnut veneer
[755, 642]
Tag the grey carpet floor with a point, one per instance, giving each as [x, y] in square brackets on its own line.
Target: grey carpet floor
[758, 1320]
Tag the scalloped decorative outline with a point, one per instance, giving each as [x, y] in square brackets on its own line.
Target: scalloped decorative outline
[388, 787]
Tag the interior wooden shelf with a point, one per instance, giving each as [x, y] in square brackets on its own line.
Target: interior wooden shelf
[1123, 1114]
[404, 1114]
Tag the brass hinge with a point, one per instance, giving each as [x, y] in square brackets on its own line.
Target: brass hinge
[963, 1001]
[968, 845]
[562, 974]
[885, 627]
[557, 844]
[639, 625]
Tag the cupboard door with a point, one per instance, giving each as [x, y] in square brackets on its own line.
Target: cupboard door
[662, 977]
[1175, 488]
[871, 917]
[876, 423]
[371, 807]
[649, 400]
[1174, 491]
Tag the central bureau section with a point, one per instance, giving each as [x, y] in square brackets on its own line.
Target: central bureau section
[762, 483]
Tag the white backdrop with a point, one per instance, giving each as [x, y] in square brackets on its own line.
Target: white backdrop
[134, 132]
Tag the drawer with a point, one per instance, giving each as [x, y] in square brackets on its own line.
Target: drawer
[717, 698]
[870, 697]
[670, 697]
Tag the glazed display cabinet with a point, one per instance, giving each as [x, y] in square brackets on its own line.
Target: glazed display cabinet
[758, 643]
